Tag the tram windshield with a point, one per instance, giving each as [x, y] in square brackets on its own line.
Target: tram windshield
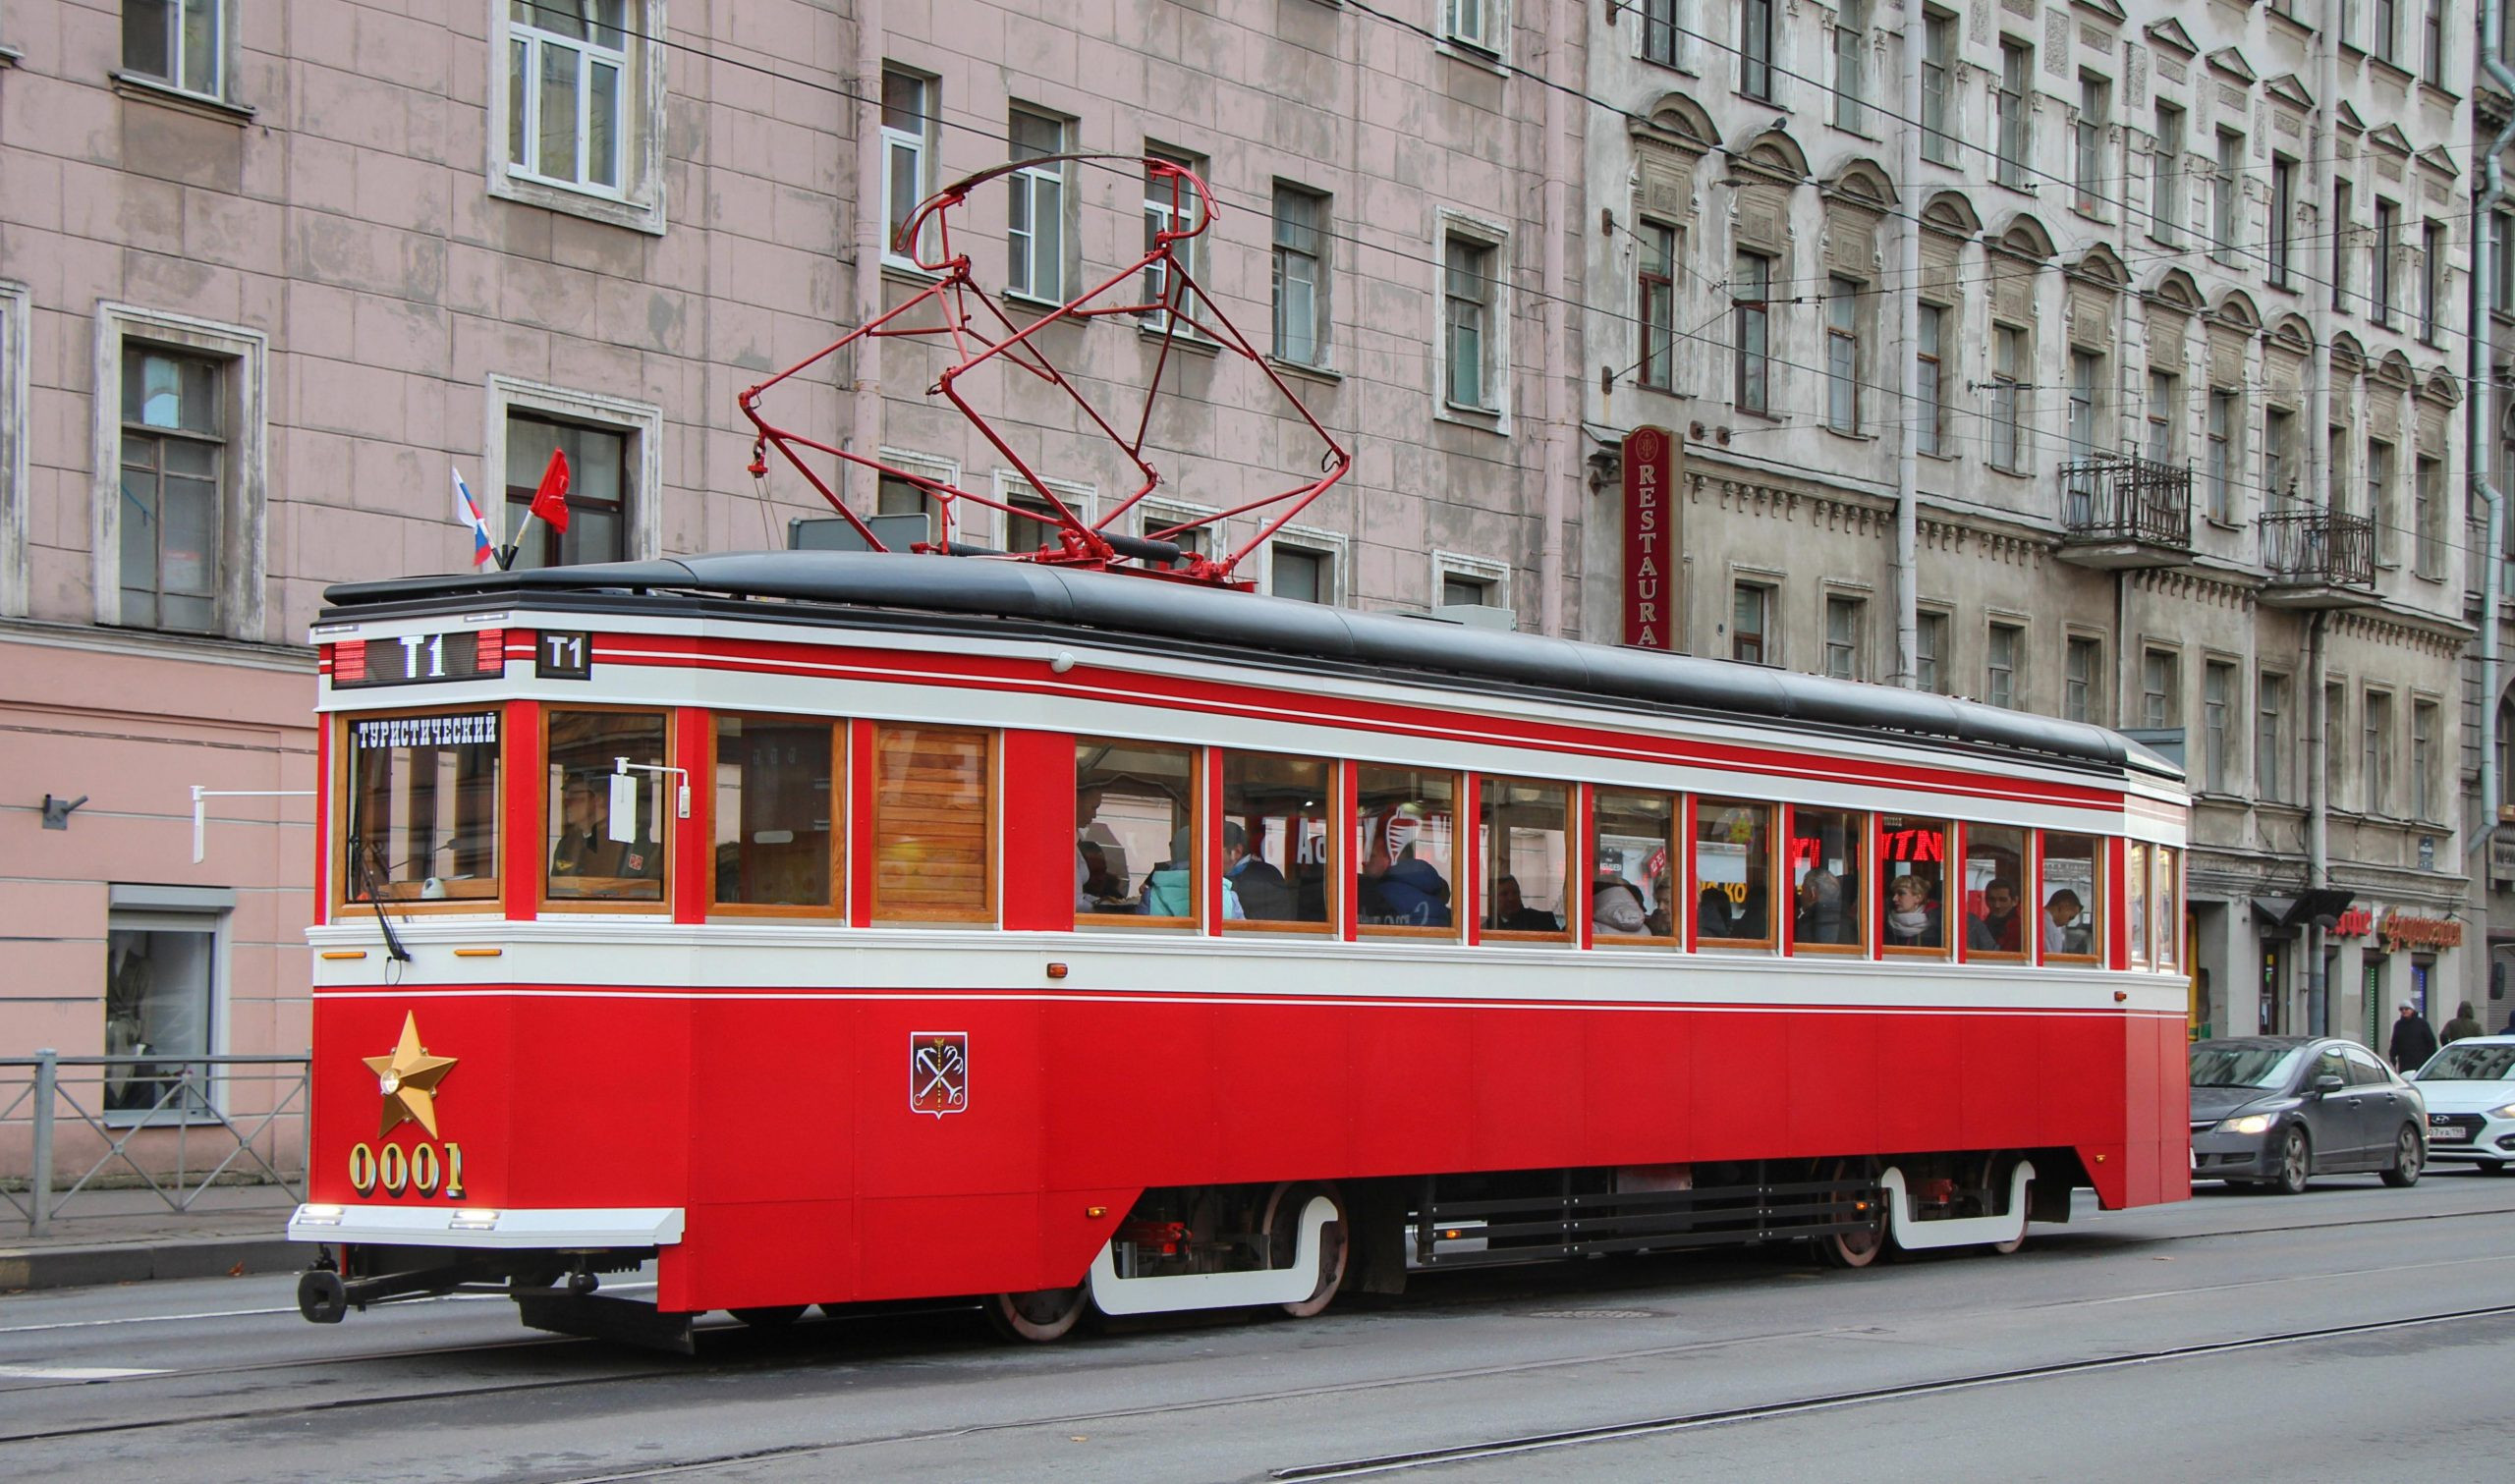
[2244, 1066]
[422, 807]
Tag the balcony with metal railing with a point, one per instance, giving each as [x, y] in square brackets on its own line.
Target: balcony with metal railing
[2318, 559]
[2120, 511]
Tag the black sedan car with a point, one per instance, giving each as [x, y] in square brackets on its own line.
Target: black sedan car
[2278, 1111]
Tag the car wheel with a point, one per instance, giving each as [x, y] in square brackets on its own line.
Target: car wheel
[2409, 1155]
[2296, 1163]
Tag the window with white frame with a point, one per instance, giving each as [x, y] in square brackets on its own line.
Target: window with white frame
[165, 995]
[2383, 32]
[2427, 517]
[2096, 104]
[1658, 295]
[1035, 222]
[1930, 429]
[2015, 134]
[1750, 289]
[614, 452]
[1301, 275]
[1929, 651]
[1170, 204]
[2380, 499]
[2269, 737]
[2426, 795]
[179, 440]
[2086, 387]
[579, 86]
[1938, 75]
[2386, 246]
[1480, 24]
[2009, 359]
[1845, 619]
[1851, 66]
[1036, 525]
[1660, 28]
[2003, 651]
[2278, 458]
[2165, 418]
[1750, 633]
[1472, 359]
[2082, 678]
[912, 106]
[2432, 48]
[1755, 49]
[1470, 581]
[187, 45]
[1843, 305]
[1305, 564]
[2165, 174]
[2160, 689]
[2226, 198]
[2432, 281]
[2375, 753]
[2217, 708]
[2226, 414]
[2341, 252]
[1159, 520]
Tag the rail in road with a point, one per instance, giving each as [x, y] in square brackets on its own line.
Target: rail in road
[2357, 1267]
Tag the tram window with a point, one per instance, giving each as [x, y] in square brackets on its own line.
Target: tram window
[1912, 872]
[1997, 924]
[2071, 901]
[1828, 889]
[1733, 871]
[1135, 841]
[593, 857]
[1633, 848]
[422, 816]
[774, 812]
[2135, 902]
[2165, 889]
[1522, 828]
[1278, 836]
[933, 825]
[1406, 825]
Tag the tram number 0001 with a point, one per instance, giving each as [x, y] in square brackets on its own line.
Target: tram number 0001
[416, 1171]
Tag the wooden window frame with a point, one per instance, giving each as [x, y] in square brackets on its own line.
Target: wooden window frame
[1947, 930]
[1462, 926]
[1339, 818]
[1679, 833]
[1775, 828]
[992, 913]
[1787, 925]
[1570, 932]
[662, 905]
[2099, 921]
[839, 756]
[2029, 868]
[1204, 846]
[343, 907]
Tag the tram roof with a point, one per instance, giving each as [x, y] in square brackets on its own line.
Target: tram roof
[859, 588]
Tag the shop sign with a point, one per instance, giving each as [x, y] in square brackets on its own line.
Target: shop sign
[2356, 922]
[1650, 538]
[2401, 931]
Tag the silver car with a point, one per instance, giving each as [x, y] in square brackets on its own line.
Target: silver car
[2278, 1111]
[2470, 1091]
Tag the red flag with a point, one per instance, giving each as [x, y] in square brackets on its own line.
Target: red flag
[550, 501]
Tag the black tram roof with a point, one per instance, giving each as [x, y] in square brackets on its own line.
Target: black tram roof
[874, 589]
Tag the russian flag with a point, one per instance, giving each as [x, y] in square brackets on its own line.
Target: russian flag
[468, 510]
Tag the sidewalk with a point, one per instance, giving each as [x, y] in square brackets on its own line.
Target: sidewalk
[112, 1237]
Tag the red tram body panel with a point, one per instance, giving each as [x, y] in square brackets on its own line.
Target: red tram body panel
[833, 1098]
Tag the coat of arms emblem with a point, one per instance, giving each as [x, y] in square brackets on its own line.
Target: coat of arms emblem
[938, 1072]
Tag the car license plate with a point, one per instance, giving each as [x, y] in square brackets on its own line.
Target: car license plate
[2447, 1134]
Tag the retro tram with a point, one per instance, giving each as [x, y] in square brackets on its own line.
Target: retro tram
[1073, 930]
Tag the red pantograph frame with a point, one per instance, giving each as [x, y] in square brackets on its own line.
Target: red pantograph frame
[951, 306]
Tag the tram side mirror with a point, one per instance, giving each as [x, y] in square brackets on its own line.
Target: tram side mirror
[2327, 1084]
[623, 824]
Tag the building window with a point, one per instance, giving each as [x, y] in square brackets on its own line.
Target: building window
[180, 441]
[1308, 566]
[1301, 276]
[1930, 432]
[1032, 521]
[2432, 281]
[2335, 726]
[2341, 206]
[1851, 66]
[1467, 323]
[2383, 38]
[2082, 666]
[1938, 62]
[1755, 49]
[164, 988]
[1034, 225]
[1658, 305]
[2087, 380]
[1659, 28]
[2165, 418]
[582, 92]
[2431, 49]
[2217, 684]
[2008, 391]
[2376, 752]
[2096, 104]
[2015, 133]
[2269, 733]
[911, 105]
[2425, 796]
[174, 448]
[2337, 453]
[1750, 610]
[1842, 355]
[1464, 581]
[1929, 652]
[1999, 665]
[2283, 210]
[2387, 241]
[2278, 466]
[2160, 689]
[16, 367]
[1749, 288]
[181, 44]
[2226, 196]
[2225, 409]
[2379, 498]
[615, 467]
[1844, 618]
[2502, 258]
[2427, 519]
[1170, 206]
[2165, 173]
[1478, 24]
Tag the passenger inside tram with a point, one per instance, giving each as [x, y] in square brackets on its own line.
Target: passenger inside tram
[1913, 915]
[1398, 885]
[2064, 930]
[585, 851]
[2000, 928]
[1264, 895]
[1510, 914]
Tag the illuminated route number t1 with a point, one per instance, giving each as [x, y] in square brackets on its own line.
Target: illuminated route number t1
[562, 656]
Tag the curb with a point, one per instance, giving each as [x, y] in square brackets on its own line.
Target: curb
[103, 1263]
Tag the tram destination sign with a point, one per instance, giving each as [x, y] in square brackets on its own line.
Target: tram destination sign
[418, 659]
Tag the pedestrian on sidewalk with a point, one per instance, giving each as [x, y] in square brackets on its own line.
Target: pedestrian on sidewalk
[2464, 1023]
[2413, 1042]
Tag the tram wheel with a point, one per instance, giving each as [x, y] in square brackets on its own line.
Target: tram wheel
[1039, 1315]
[1285, 1233]
[776, 1317]
[1861, 1245]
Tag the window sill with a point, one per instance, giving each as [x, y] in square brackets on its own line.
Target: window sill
[2298, 28]
[2432, 579]
[1850, 435]
[2437, 92]
[2092, 211]
[611, 210]
[2221, 523]
[1474, 54]
[1481, 420]
[1323, 375]
[904, 271]
[141, 89]
[1922, 453]
[1015, 299]
[2393, 71]
[1185, 340]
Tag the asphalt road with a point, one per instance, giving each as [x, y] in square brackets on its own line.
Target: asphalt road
[2353, 1333]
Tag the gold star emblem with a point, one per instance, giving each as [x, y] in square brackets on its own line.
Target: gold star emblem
[407, 1079]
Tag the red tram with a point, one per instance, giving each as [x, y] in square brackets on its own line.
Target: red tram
[832, 927]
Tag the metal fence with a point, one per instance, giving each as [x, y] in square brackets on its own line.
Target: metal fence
[2114, 498]
[2319, 548]
[177, 1128]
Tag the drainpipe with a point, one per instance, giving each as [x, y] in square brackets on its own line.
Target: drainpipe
[871, 212]
[2318, 497]
[1908, 266]
[2480, 408]
[2318, 821]
[1555, 361]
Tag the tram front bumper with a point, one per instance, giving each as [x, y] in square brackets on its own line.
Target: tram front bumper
[563, 1228]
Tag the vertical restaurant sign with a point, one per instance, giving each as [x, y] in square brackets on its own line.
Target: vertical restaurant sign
[1650, 538]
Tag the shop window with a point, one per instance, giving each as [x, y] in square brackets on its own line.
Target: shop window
[163, 971]
[933, 824]
[1827, 849]
[608, 841]
[1733, 874]
[1521, 830]
[1278, 839]
[1136, 856]
[1997, 924]
[2071, 902]
[776, 815]
[1406, 825]
[422, 815]
[1633, 888]
[1912, 873]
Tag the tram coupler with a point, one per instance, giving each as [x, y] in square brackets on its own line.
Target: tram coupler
[326, 1297]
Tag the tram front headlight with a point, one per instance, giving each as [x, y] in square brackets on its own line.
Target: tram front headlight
[473, 1220]
[2251, 1123]
[319, 1216]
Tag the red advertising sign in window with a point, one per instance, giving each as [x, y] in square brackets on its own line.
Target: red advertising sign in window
[1650, 538]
